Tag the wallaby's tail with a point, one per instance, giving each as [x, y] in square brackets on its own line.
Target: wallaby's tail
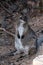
[39, 41]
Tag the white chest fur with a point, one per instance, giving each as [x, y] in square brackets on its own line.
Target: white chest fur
[18, 43]
[21, 30]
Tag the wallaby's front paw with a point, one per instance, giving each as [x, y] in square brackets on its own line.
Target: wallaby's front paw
[32, 51]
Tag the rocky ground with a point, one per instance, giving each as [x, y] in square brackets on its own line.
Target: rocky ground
[19, 59]
[35, 20]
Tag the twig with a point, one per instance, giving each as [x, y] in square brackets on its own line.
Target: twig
[7, 32]
[5, 8]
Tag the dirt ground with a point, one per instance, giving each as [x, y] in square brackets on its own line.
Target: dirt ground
[19, 59]
[10, 11]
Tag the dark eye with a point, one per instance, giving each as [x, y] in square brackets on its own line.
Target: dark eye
[22, 37]
[20, 17]
[25, 18]
[18, 35]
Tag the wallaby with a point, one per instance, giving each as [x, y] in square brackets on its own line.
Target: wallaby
[25, 38]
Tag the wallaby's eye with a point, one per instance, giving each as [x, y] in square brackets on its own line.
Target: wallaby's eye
[18, 35]
[20, 17]
[22, 37]
[25, 18]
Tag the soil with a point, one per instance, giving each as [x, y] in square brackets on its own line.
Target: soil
[20, 59]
